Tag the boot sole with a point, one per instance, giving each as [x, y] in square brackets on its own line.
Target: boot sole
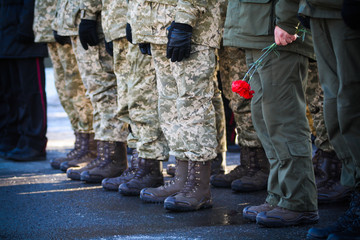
[182, 208]
[279, 223]
[152, 200]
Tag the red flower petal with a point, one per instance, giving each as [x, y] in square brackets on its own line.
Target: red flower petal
[242, 88]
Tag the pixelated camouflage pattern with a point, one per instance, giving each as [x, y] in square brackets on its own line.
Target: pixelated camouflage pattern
[315, 100]
[205, 18]
[113, 16]
[218, 103]
[232, 66]
[70, 88]
[186, 90]
[91, 9]
[44, 15]
[96, 69]
[67, 17]
[143, 106]
[149, 20]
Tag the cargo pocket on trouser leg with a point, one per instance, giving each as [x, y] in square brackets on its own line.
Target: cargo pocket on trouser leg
[296, 178]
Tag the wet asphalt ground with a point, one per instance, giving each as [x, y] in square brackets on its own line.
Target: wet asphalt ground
[38, 202]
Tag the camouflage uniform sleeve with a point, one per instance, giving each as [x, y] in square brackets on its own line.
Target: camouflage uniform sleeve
[90, 9]
[286, 12]
[188, 11]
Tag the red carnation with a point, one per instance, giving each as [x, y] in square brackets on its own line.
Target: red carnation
[243, 89]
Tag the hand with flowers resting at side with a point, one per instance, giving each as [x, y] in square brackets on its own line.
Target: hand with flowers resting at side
[283, 38]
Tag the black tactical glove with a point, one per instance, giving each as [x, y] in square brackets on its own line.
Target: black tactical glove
[128, 33]
[179, 41]
[109, 48]
[351, 13]
[305, 20]
[61, 39]
[145, 48]
[87, 33]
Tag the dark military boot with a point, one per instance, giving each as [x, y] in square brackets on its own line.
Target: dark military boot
[348, 223]
[196, 191]
[328, 179]
[87, 153]
[114, 163]
[325, 163]
[158, 195]
[250, 212]
[75, 172]
[257, 172]
[113, 184]
[225, 180]
[148, 174]
[218, 164]
[55, 163]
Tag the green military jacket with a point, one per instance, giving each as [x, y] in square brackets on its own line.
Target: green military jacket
[151, 18]
[321, 8]
[251, 24]
[44, 15]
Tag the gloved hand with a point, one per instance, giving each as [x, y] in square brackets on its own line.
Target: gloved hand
[128, 33]
[61, 39]
[351, 13]
[179, 41]
[305, 20]
[88, 34]
[109, 48]
[145, 48]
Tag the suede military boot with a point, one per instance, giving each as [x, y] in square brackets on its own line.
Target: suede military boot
[250, 212]
[55, 163]
[333, 191]
[87, 152]
[75, 172]
[257, 171]
[113, 184]
[159, 194]
[281, 217]
[148, 174]
[196, 192]
[326, 166]
[225, 180]
[218, 164]
[114, 163]
[348, 223]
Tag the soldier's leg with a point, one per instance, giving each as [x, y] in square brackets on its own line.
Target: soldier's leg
[336, 47]
[143, 111]
[197, 123]
[327, 166]
[252, 173]
[96, 69]
[278, 109]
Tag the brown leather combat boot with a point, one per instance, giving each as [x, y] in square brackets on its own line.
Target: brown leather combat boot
[196, 191]
[113, 184]
[225, 180]
[257, 172]
[113, 163]
[75, 172]
[55, 163]
[148, 174]
[86, 154]
[158, 195]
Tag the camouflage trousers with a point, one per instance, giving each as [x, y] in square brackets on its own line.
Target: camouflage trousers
[70, 88]
[96, 69]
[186, 111]
[138, 100]
[232, 66]
[315, 101]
